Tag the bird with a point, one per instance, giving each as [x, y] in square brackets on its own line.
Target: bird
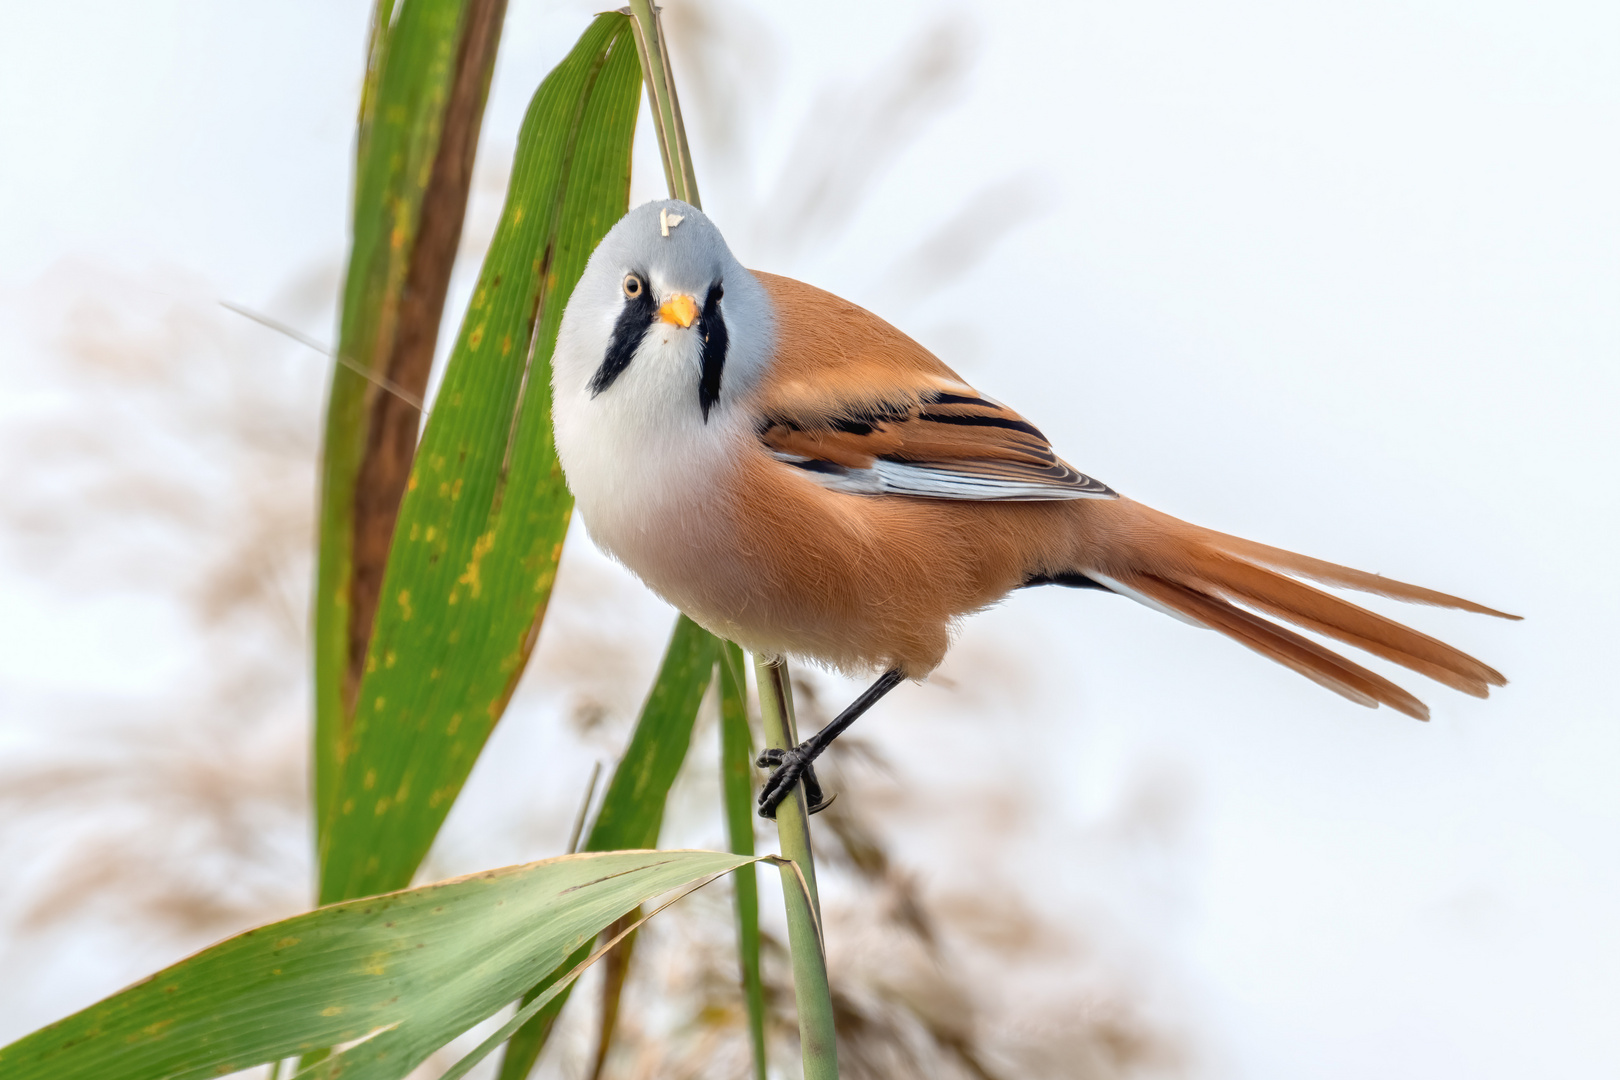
[798, 476]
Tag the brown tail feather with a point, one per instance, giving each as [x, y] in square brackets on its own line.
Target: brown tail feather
[1303, 655]
[1202, 575]
[1323, 613]
[1334, 574]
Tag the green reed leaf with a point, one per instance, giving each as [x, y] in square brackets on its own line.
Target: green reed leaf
[481, 527]
[405, 972]
[422, 105]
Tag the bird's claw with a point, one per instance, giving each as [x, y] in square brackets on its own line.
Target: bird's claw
[792, 766]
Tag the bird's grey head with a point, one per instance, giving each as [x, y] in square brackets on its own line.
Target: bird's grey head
[663, 291]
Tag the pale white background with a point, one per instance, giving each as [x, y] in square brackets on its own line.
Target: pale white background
[1341, 277]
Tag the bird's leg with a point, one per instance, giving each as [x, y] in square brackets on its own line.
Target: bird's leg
[796, 764]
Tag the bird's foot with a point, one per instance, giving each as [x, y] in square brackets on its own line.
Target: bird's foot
[792, 767]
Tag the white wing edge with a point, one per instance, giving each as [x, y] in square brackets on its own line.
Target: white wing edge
[932, 482]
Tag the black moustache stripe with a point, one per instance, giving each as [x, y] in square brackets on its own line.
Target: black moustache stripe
[638, 314]
[712, 328]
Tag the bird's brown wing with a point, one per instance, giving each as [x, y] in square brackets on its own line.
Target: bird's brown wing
[860, 407]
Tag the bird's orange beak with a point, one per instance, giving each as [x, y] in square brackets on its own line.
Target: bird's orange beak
[679, 309]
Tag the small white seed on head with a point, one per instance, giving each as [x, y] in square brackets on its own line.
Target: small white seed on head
[667, 220]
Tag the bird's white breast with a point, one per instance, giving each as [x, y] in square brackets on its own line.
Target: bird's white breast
[648, 473]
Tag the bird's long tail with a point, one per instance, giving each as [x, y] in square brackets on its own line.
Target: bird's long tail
[1230, 584]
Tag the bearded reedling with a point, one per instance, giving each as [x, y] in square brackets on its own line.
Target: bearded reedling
[800, 477]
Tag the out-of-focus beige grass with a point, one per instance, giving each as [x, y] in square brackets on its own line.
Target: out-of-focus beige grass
[175, 463]
[170, 466]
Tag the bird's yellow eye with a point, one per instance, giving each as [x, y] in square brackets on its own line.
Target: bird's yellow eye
[633, 286]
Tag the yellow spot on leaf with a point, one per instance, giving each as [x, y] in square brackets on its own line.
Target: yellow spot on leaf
[431, 533]
[348, 806]
[152, 1030]
[287, 942]
[455, 490]
[410, 485]
[388, 660]
[405, 604]
[382, 806]
[455, 723]
[371, 779]
[377, 964]
[416, 530]
[481, 547]
[475, 339]
[377, 706]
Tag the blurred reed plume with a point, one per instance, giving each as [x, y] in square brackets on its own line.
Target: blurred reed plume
[171, 469]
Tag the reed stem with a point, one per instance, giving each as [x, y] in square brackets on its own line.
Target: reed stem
[737, 783]
[666, 106]
[812, 994]
[811, 991]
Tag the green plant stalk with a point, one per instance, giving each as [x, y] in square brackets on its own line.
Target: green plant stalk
[804, 906]
[781, 733]
[737, 779]
[812, 994]
[666, 104]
